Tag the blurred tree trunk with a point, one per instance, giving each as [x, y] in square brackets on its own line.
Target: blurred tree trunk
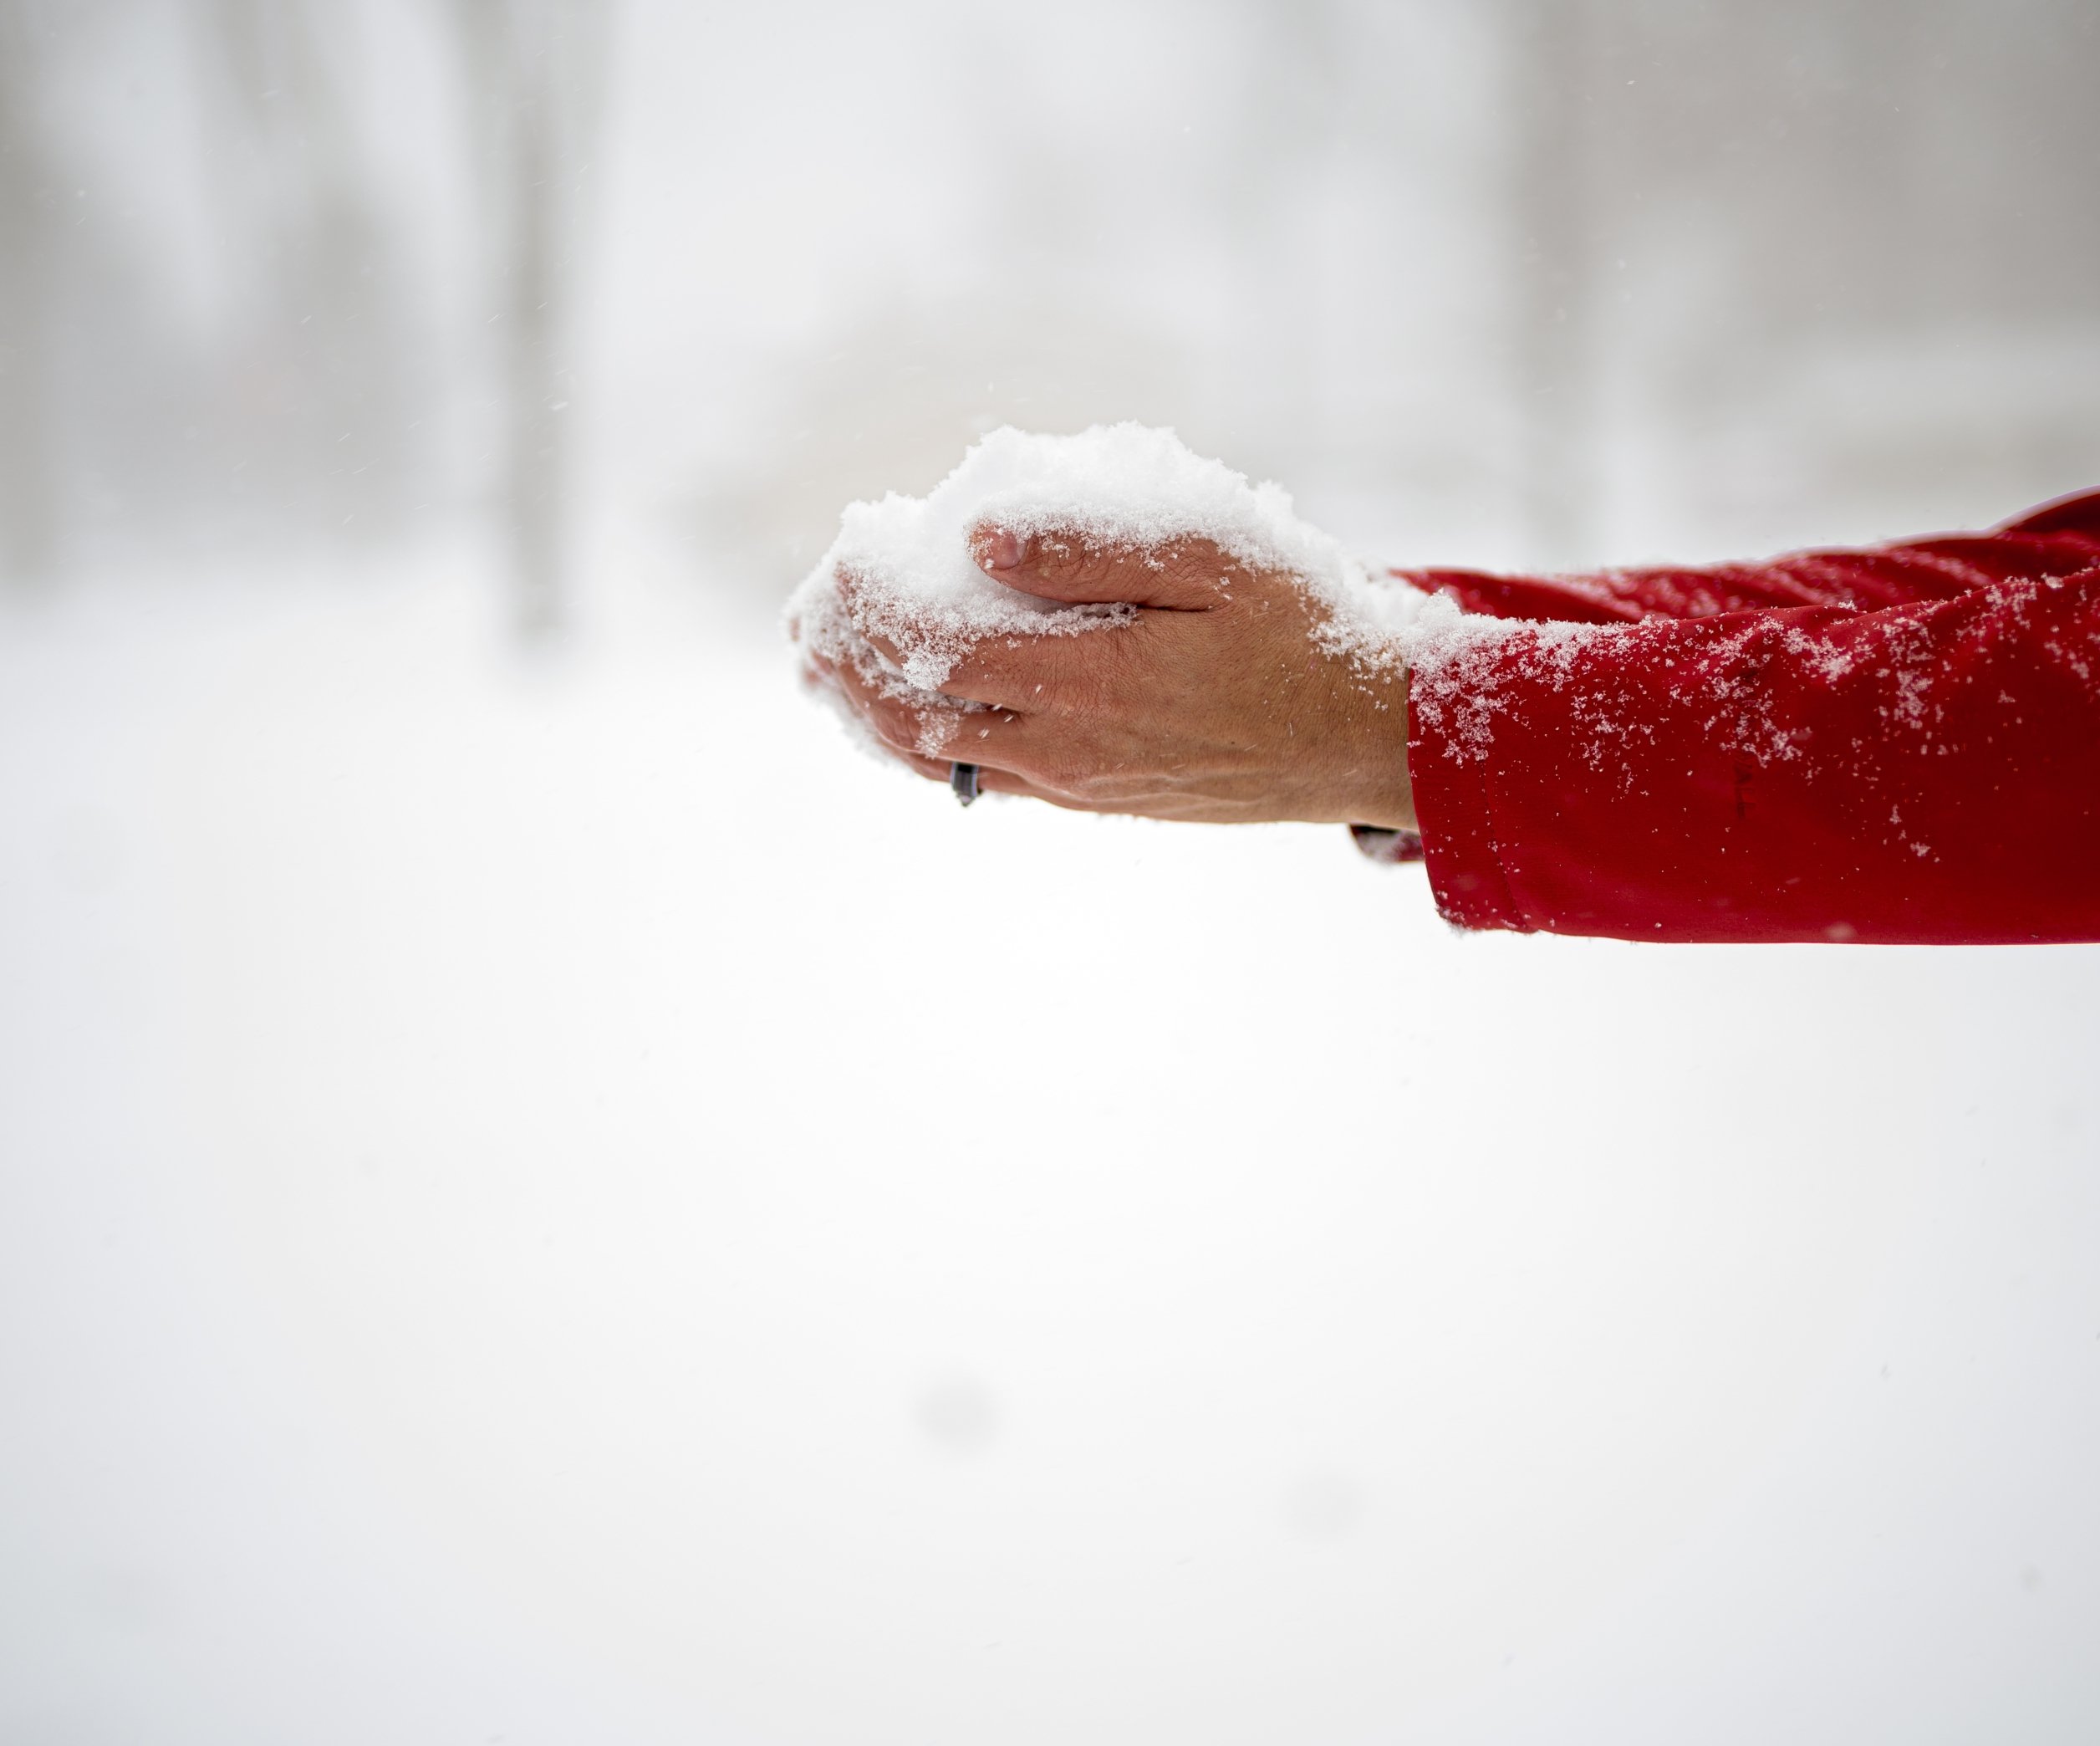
[28, 235]
[533, 70]
[1555, 213]
[315, 402]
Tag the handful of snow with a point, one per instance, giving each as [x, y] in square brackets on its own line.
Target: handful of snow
[914, 583]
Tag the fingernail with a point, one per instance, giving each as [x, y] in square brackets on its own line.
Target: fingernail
[999, 549]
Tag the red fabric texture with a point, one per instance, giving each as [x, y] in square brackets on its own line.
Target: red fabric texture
[1895, 744]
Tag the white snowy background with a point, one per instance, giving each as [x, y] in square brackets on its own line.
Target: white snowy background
[543, 1199]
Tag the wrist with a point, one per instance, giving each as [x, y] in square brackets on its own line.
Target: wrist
[1382, 792]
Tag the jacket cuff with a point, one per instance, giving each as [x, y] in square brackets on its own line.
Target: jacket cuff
[1454, 805]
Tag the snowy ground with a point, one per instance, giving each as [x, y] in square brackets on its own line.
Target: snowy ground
[550, 1202]
[554, 1202]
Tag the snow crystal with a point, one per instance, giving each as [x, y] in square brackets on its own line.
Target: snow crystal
[902, 568]
[1453, 660]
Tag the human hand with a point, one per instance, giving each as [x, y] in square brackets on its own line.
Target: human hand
[1215, 704]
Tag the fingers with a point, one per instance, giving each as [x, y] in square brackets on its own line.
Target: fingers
[1027, 674]
[1017, 672]
[1181, 576]
[1010, 671]
[915, 731]
[817, 672]
[992, 780]
[934, 769]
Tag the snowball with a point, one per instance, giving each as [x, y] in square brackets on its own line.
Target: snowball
[914, 583]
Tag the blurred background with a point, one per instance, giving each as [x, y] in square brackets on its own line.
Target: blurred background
[544, 1199]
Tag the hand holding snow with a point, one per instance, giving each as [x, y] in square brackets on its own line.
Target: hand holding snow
[915, 579]
[1215, 703]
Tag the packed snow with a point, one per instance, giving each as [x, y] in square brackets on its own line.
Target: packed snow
[903, 569]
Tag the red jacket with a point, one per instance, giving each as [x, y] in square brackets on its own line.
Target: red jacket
[1898, 743]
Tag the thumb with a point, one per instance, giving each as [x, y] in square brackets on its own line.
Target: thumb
[1181, 576]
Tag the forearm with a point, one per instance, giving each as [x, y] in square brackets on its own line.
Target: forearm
[1926, 773]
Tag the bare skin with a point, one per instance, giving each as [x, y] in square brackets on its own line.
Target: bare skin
[1214, 706]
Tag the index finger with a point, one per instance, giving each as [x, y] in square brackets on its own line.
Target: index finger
[1023, 672]
[1013, 669]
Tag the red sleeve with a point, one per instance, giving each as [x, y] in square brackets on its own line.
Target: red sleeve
[1899, 744]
